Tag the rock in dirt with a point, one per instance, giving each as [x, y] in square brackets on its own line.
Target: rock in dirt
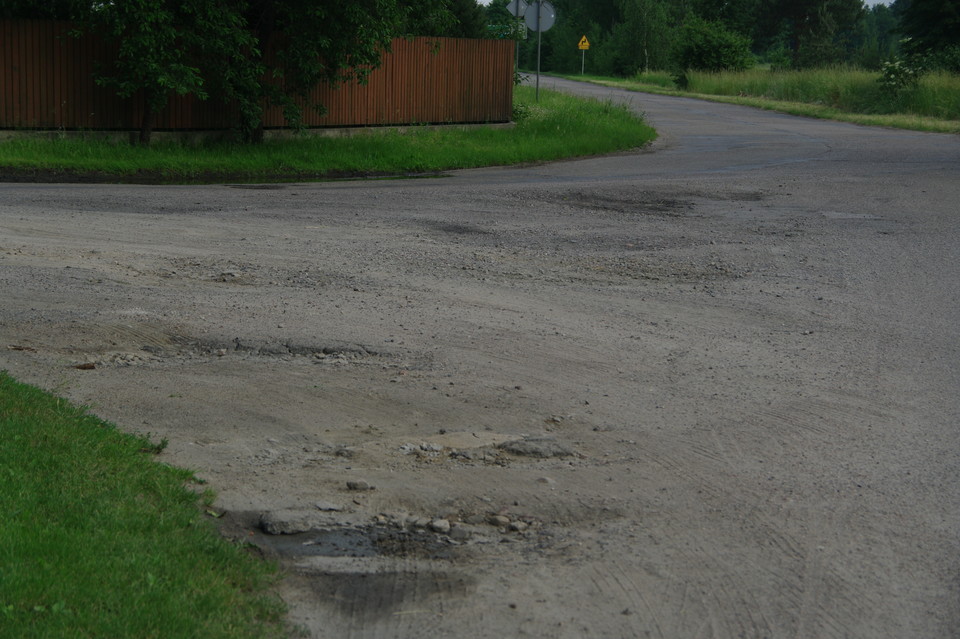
[459, 532]
[290, 522]
[542, 447]
[441, 526]
[359, 486]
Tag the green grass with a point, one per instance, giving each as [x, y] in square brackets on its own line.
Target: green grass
[838, 94]
[99, 540]
[851, 90]
[558, 126]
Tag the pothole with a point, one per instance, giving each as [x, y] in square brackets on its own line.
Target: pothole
[645, 203]
[357, 541]
[369, 595]
[455, 228]
[137, 343]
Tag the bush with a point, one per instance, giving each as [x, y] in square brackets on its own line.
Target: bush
[709, 46]
[898, 76]
[944, 59]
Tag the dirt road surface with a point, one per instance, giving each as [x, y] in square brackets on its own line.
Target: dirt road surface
[704, 389]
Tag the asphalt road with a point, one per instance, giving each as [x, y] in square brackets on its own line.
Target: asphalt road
[728, 364]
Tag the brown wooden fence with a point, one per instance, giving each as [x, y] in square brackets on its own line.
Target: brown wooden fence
[46, 82]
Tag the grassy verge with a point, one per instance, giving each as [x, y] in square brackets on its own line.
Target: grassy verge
[834, 94]
[559, 126]
[99, 540]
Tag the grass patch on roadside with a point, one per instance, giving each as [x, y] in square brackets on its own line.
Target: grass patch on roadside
[99, 540]
[559, 126]
[836, 94]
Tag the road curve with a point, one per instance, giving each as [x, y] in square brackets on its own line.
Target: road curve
[732, 360]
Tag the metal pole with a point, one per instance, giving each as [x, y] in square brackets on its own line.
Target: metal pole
[539, 36]
[516, 39]
[583, 60]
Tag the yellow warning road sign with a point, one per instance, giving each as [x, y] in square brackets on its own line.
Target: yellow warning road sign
[584, 43]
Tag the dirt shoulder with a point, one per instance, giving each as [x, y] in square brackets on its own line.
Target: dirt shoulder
[67, 176]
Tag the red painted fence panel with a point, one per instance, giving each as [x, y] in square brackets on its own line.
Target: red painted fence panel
[46, 82]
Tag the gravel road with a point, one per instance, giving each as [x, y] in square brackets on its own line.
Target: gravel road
[704, 389]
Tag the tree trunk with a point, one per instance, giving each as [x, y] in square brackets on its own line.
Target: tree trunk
[151, 97]
[147, 124]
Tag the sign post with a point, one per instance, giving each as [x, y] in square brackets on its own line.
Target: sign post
[517, 9]
[583, 46]
[539, 17]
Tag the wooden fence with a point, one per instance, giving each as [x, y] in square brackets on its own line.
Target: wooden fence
[46, 82]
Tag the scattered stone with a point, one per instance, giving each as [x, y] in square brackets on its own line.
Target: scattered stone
[459, 532]
[500, 521]
[518, 526]
[543, 447]
[288, 522]
[476, 519]
[274, 349]
[328, 507]
[359, 486]
[441, 526]
[548, 481]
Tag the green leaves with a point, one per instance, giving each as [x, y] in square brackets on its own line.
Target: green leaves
[216, 48]
[708, 46]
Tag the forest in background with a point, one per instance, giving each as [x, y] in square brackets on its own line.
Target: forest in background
[216, 47]
[631, 36]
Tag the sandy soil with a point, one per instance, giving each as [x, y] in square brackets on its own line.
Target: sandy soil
[707, 389]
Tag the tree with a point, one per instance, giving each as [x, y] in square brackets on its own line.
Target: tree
[931, 25]
[709, 46]
[160, 44]
[247, 51]
[876, 38]
[49, 10]
[469, 20]
[815, 32]
[641, 38]
[739, 16]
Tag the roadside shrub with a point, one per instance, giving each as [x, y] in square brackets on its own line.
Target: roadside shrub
[656, 78]
[945, 59]
[709, 46]
[521, 111]
[898, 76]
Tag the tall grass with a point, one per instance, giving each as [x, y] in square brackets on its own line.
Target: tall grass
[558, 126]
[661, 79]
[937, 95]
